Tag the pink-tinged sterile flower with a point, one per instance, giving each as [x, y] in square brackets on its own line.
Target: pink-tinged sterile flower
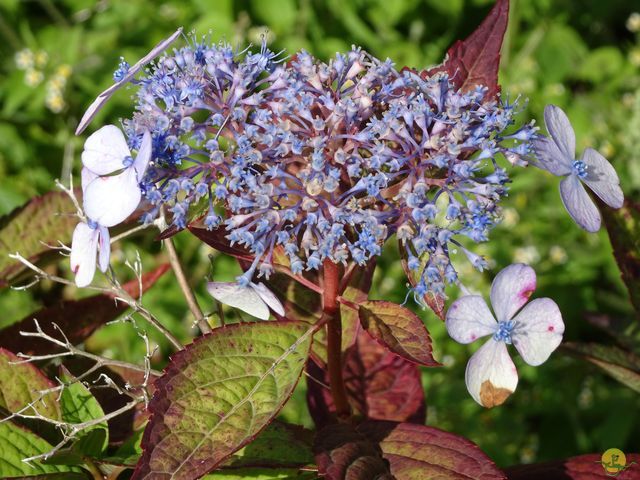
[123, 76]
[557, 153]
[111, 192]
[255, 298]
[535, 330]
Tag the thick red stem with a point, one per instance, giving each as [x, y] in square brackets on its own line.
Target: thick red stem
[331, 310]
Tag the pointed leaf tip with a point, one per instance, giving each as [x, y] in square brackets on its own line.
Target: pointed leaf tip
[475, 61]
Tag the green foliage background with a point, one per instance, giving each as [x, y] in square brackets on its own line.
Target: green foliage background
[582, 55]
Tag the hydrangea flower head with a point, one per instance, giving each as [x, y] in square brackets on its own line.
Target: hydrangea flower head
[557, 153]
[534, 329]
[325, 160]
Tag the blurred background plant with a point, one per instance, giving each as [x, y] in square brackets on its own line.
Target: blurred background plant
[581, 55]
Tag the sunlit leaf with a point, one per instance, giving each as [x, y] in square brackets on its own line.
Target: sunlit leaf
[21, 384]
[417, 452]
[218, 393]
[475, 60]
[19, 443]
[398, 329]
[43, 221]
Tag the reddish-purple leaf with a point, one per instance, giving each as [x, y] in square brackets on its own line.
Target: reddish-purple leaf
[380, 385]
[624, 231]
[78, 319]
[42, 221]
[417, 452]
[216, 238]
[20, 384]
[218, 393]
[583, 467]
[399, 330]
[475, 60]
[343, 453]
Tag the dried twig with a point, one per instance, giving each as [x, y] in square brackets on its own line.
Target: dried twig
[115, 290]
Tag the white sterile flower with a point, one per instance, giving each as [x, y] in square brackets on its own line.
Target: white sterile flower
[254, 299]
[557, 155]
[535, 330]
[125, 78]
[111, 177]
[89, 239]
[111, 192]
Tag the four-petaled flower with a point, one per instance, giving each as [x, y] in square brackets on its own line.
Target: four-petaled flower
[535, 331]
[557, 155]
[111, 192]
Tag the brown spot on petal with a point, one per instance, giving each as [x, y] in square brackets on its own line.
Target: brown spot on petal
[492, 396]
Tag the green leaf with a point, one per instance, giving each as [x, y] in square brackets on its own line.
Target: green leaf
[20, 385]
[621, 364]
[260, 474]
[278, 445]
[44, 220]
[218, 393]
[18, 443]
[398, 329]
[129, 452]
[80, 406]
[624, 231]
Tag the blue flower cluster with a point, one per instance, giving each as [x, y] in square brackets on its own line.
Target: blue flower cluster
[324, 160]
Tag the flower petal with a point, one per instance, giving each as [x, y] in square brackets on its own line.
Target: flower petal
[110, 200]
[104, 248]
[105, 150]
[237, 296]
[469, 318]
[269, 298]
[561, 131]
[92, 111]
[538, 330]
[511, 289]
[550, 158]
[579, 205]
[97, 104]
[86, 177]
[602, 178]
[491, 375]
[84, 246]
[144, 155]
